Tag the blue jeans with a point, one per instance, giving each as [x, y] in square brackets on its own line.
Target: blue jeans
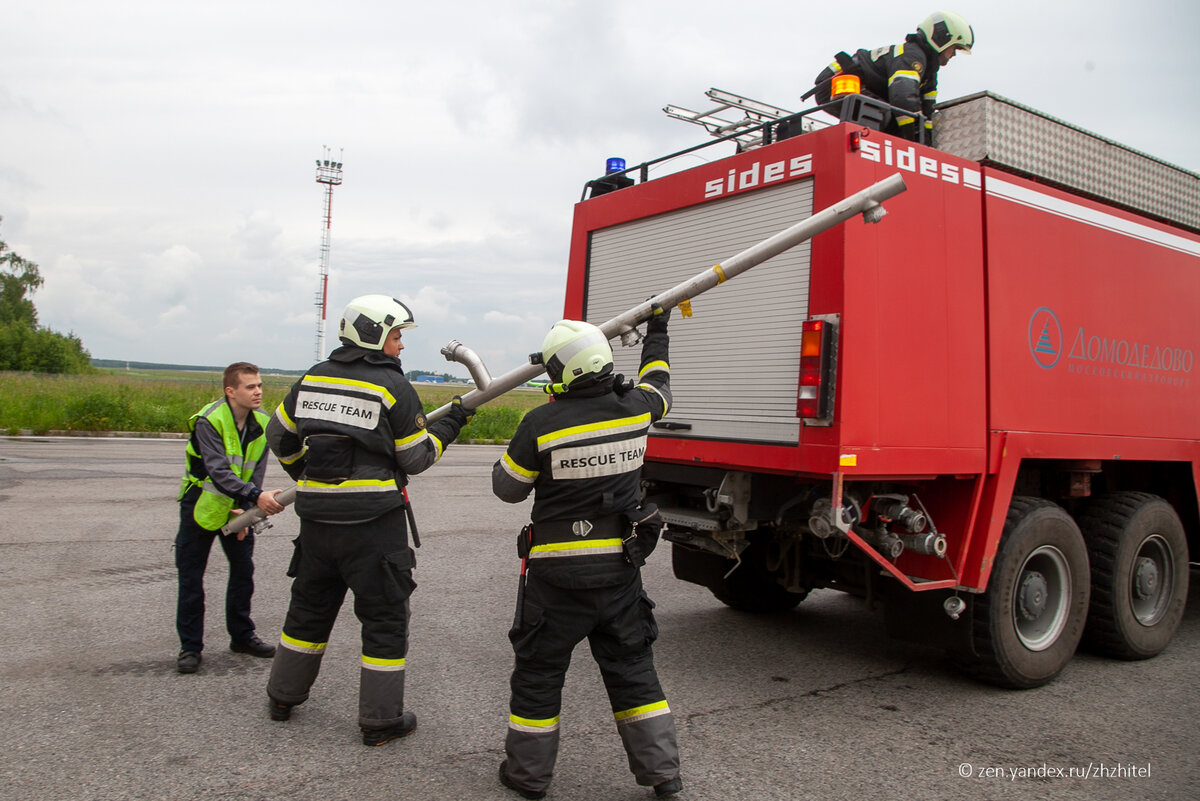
[192, 546]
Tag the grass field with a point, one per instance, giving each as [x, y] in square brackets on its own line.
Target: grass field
[153, 401]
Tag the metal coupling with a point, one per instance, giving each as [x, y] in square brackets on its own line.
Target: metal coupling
[930, 543]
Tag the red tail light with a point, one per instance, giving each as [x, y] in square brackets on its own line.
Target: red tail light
[815, 398]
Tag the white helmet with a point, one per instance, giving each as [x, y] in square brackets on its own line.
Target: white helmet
[574, 350]
[368, 320]
[945, 29]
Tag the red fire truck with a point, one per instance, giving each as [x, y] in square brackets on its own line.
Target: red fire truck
[981, 414]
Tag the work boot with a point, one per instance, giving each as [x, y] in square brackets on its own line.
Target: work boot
[278, 710]
[510, 784]
[254, 646]
[187, 661]
[668, 788]
[406, 726]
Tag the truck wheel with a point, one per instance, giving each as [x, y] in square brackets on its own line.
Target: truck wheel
[1138, 554]
[750, 588]
[1029, 622]
[753, 589]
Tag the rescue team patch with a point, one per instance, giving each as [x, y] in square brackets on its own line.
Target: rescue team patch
[591, 461]
[419, 420]
[357, 412]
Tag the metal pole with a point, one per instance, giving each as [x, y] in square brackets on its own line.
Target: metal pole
[866, 202]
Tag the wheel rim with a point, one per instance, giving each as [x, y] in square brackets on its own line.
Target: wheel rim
[1042, 599]
[1151, 580]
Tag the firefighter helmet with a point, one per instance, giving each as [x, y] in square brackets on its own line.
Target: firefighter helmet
[368, 320]
[575, 350]
[945, 29]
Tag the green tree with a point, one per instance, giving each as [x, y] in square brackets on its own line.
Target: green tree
[19, 278]
[24, 345]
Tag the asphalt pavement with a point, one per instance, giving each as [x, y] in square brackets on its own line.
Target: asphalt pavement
[812, 704]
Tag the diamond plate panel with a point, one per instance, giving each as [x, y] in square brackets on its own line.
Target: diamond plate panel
[994, 130]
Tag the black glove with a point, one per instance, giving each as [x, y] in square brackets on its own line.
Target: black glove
[658, 323]
[458, 413]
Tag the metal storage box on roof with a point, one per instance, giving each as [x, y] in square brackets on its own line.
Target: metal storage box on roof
[993, 130]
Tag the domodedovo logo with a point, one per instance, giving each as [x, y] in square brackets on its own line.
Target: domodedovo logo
[1045, 338]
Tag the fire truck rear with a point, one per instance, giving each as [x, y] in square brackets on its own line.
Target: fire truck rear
[981, 414]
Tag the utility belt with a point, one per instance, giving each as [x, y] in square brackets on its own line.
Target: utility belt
[632, 534]
[582, 537]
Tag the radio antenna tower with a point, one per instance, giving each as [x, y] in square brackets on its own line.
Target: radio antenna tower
[329, 173]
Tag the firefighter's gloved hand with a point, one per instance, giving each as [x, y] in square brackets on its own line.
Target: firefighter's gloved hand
[658, 323]
[459, 413]
[641, 542]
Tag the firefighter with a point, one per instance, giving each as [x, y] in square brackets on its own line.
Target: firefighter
[581, 456]
[350, 432]
[904, 75]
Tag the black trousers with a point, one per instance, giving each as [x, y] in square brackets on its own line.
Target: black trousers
[618, 623]
[192, 547]
[374, 561]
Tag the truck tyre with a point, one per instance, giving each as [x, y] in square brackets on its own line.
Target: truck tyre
[1028, 623]
[749, 588]
[1139, 561]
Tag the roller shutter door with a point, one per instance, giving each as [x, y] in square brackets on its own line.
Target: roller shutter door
[735, 363]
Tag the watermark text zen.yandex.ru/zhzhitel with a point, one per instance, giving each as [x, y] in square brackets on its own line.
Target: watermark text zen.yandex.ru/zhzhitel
[1089, 770]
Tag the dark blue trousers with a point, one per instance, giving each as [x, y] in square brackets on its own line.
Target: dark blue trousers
[192, 546]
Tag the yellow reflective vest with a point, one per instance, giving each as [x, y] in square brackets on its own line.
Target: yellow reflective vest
[213, 506]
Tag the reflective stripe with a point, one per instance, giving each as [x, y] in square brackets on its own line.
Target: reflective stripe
[438, 446]
[292, 458]
[325, 381]
[544, 726]
[354, 485]
[575, 548]
[653, 366]
[836, 67]
[642, 712]
[931, 95]
[292, 644]
[898, 50]
[905, 120]
[666, 401]
[386, 665]
[282, 416]
[575, 433]
[411, 440]
[909, 74]
[516, 471]
[573, 349]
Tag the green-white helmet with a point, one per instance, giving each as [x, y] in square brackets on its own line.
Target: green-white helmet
[574, 350]
[368, 320]
[945, 29]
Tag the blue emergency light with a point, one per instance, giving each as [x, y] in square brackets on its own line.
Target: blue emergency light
[614, 164]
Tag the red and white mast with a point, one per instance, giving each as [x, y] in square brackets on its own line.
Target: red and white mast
[329, 173]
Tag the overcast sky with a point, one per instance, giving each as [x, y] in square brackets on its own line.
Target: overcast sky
[157, 160]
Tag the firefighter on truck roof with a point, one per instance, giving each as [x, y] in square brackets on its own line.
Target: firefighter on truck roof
[581, 456]
[350, 432]
[904, 75]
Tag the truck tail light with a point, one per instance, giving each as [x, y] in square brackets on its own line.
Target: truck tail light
[815, 400]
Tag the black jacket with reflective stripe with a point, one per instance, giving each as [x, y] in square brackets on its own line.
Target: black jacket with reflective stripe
[904, 75]
[350, 432]
[582, 454]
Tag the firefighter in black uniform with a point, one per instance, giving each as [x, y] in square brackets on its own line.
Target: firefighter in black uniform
[350, 432]
[581, 456]
[904, 75]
